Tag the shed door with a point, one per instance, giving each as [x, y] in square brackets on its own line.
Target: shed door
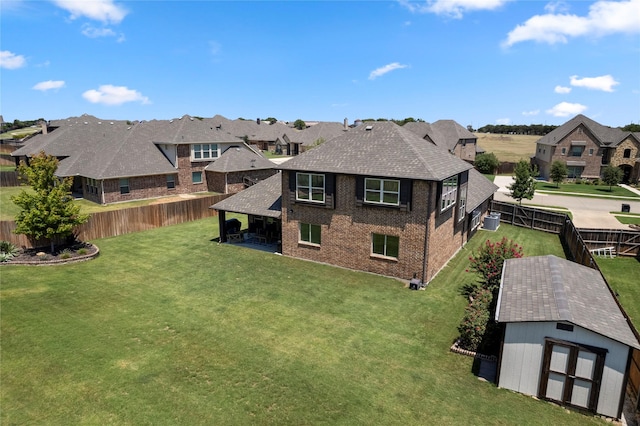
[571, 374]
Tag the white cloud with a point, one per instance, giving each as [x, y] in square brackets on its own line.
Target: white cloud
[11, 61]
[451, 8]
[93, 32]
[604, 82]
[604, 17]
[378, 72]
[562, 89]
[98, 10]
[566, 109]
[503, 121]
[531, 113]
[114, 95]
[48, 85]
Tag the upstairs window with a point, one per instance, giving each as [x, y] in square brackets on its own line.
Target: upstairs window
[563, 151]
[576, 151]
[449, 193]
[204, 151]
[626, 153]
[462, 207]
[382, 191]
[310, 187]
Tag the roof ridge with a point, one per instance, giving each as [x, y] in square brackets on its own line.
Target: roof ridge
[557, 285]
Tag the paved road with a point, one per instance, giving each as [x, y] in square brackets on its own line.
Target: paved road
[587, 212]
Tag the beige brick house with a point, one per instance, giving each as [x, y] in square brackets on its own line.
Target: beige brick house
[378, 198]
[586, 147]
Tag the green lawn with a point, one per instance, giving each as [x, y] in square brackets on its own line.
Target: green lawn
[622, 274]
[584, 189]
[168, 327]
[628, 220]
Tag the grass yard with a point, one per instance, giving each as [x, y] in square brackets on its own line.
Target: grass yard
[510, 148]
[628, 220]
[622, 275]
[583, 189]
[168, 327]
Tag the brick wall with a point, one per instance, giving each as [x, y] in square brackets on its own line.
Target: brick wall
[346, 231]
[467, 151]
[234, 181]
[593, 162]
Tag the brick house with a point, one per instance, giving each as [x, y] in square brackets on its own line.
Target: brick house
[378, 198]
[449, 135]
[586, 147]
[115, 161]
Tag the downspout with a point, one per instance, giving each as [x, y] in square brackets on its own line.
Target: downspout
[425, 262]
[102, 190]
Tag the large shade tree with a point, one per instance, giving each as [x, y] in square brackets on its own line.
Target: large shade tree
[48, 211]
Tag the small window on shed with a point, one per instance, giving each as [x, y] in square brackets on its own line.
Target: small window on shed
[565, 327]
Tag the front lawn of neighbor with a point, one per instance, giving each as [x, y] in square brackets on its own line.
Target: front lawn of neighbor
[622, 275]
[168, 327]
[585, 190]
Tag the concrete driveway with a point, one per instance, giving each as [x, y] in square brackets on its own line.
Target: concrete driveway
[587, 212]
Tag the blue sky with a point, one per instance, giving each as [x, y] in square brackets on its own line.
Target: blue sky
[474, 61]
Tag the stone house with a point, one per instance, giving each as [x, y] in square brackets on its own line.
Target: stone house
[587, 147]
[378, 198]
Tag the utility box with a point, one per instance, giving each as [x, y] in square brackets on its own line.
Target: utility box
[626, 208]
[491, 222]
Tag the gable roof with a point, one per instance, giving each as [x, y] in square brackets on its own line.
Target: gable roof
[323, 130]
[380, 149]
[262, 199]
[479, 190]
[444, 133]
[604, 135]
[548, 288]
[236, 159]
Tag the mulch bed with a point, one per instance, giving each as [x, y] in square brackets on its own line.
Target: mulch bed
[77, 252]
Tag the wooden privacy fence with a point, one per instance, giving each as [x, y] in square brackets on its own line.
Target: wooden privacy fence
[528, 217]
[579, 243]
[8, 178]
[118, 222]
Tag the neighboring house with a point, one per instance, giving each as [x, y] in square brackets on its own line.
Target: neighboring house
[295, 141]
[449, 135]
[380, 199]
[114, 161]
[586, 147]
[565, 339]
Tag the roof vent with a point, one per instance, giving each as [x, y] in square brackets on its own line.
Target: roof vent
[86, 123]
[368, 128]
[170, 121]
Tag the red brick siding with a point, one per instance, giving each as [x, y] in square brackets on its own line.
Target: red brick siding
[593, 162]
[346, 231]
[234, 181]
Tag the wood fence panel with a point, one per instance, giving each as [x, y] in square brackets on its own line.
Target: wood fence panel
[9, 178]
[125, 221]
[529, 217]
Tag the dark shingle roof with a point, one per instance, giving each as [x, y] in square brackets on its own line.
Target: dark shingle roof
[548, 288]
[480, 189]
[324, 130]
[444, 133]
[385, 150]
[239, 159]
[604, 135]
[262, 199]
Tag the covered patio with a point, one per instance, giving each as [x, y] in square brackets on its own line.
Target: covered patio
[262, 205]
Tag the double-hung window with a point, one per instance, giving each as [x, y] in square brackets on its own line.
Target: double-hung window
[462, 206]
[124, 186]
[310, 233]
[310, 187]
[204, 151]
[449, 193]
[382, 191]
[196, 177]
[171, 181]
[385, 245]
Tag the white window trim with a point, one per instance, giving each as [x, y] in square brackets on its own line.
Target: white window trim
[309, 243]
[381, 192]
[310, 188]
[213, 152]
[463, 202]
[201, 178]
[384, 256]
[475, 219]
[449, 193]
[171, 179]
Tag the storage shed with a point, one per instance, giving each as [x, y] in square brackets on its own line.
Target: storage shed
[565, 338]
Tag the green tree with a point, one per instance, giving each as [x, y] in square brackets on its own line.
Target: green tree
[271, 120]
[611, 175]
[524, 184]
[299, 124]
[558, 172]
[486, 163]
[48, 212]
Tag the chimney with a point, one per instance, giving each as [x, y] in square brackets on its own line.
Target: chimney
[43, 124]
[346, 123]
[257, 120]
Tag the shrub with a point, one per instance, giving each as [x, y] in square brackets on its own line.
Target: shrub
[474, 323]
[66, 254]
[578, 181]
[488, 260]
[486, 163]
[82, 251]
[596, 182]
[7, 251]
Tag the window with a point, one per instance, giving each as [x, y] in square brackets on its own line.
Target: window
[92, 186]
[204, 151]
[171, 181]
[310, 233]
[196, 177]
[462, 207]
[574, 172]
[449, 192]
[382, 191]
[310, 187]
[590, 152]
[626, 153]
[124, 186]
[563, 151]
[576, 151]
[385, 245]
[475, 219]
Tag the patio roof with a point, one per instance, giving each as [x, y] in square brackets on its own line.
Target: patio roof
[262, 199]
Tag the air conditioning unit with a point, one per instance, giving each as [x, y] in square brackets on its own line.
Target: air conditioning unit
[491, 222]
